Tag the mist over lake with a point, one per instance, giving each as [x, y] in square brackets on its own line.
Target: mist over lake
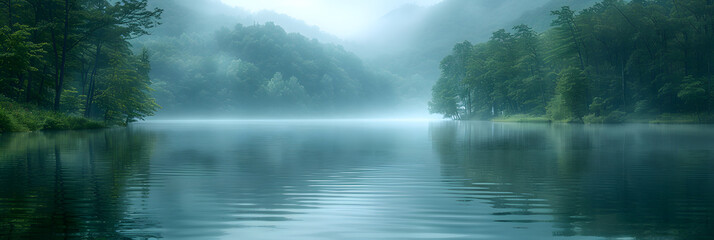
[356, 119]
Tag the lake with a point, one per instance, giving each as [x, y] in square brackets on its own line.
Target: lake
[359, 179]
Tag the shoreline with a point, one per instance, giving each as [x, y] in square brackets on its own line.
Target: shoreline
[661, 119]
[19, 117]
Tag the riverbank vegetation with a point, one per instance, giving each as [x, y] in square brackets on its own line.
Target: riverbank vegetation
[22, 117]
[617, 61]
[64, 62]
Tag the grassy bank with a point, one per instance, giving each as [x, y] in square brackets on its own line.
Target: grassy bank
[16, 117]
[615, 118]
[522, 118]
[684, 119]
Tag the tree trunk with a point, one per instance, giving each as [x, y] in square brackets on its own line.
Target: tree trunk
[28, 89]
[685, 48]
[468, 110]
[92, 83]
[20, 81]
[624, 85]
[41, 89]
[9, 15]
[574, 31]
[83, 82]
[709, 86]
[63, 61]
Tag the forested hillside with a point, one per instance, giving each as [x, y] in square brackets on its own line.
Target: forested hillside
[260, 70]
[611, 62]
[73, 57]
[208, 16]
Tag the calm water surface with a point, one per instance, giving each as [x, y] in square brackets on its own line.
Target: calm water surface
[359, 180]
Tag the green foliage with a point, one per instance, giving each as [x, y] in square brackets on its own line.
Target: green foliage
[522, 118]
[614, 61]
[612, 117]
[58, 49]
[693, 93]
[64, 122]
[598, 106]
[282, 92]
[16, 54]
[7, 124]
[572, 86]
[125, 92]
[450, 93]
[504, 76]
[71, 101]
[444, 99]
[670, 118]
[643, 107]
[571, 102]
[52, 123]
[556, 110]
[16, 117]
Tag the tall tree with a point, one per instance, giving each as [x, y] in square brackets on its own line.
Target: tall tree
[95, 16]
[569, 35]
[125, 91]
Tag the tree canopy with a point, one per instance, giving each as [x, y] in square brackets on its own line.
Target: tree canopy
[59, 54]
[616, 58]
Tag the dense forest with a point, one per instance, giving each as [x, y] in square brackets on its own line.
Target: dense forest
[612, 62]
[73, 57]
[261, 70]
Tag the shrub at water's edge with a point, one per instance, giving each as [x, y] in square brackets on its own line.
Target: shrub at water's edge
[613, 118]
[16, 117]
[522, 118]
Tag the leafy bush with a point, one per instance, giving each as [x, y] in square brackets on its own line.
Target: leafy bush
[555, 110]
[55, 124]
[16, 117]
[643, 107]
[523, 118]
[6, 122]
[83, 123]
[613, 117]
[30, 120]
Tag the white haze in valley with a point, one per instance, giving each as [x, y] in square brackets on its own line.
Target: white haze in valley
[402, 40]
[343, 18]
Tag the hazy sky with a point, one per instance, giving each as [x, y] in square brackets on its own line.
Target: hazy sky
[339, 17]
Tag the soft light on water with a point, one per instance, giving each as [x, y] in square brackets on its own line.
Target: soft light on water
[359, 179]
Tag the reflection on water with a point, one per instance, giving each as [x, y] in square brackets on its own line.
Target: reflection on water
[73, 184]
[359, 180]
[641, 181]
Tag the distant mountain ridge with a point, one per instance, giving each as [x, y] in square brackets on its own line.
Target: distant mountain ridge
[186, 16]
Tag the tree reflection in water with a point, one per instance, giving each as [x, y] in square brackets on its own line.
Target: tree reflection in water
[590, 180]
[74, 184]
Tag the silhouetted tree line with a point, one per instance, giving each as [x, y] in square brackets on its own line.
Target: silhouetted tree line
[614, 60]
